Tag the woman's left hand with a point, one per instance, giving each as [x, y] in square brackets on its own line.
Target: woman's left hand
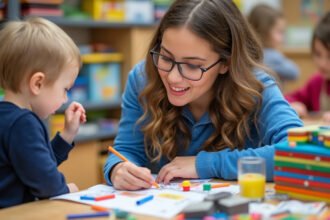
[180, 167]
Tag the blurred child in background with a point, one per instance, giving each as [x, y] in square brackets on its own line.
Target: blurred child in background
[38, 65]
[315, 94]
[269, 25]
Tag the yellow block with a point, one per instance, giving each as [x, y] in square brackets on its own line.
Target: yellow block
[298, 138]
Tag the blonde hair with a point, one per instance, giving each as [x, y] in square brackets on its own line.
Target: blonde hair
[220, 23]
[30, 46]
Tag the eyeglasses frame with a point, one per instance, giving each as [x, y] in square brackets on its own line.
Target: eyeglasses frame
[203, 69]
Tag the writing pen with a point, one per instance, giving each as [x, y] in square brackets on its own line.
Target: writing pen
[98, 198]
[88, 215]
[144, 200]
[112, 150]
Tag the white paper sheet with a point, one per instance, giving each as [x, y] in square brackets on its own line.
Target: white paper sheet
[168, 201]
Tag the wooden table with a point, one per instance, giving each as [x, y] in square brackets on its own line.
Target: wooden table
[50, 210]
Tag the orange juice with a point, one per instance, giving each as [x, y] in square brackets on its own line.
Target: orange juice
[252, 185]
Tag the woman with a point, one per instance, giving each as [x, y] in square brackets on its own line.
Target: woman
[199, 102]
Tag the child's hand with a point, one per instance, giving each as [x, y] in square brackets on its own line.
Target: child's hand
[300, 108]
[326, 117]
[72, 187]
[74, 115]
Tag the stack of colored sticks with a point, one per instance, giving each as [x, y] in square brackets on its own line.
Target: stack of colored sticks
[302, 164]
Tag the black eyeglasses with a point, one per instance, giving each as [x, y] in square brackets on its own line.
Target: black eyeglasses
[186, 70]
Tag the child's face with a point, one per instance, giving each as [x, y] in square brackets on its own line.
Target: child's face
[321, 57]
[53, 96]
[277, 33]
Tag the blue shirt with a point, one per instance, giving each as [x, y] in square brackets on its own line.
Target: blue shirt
[285, 68]
[275, 118]
[28, 161]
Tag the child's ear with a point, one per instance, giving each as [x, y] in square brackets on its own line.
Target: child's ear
[37, 81]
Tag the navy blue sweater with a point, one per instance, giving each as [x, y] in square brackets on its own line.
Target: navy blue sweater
[28, 160]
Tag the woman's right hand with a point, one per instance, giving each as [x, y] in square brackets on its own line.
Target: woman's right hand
[128, 176]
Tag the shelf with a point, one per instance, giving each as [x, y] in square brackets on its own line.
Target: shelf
[96, 24]
[101, 134]
[94, 106]
[297, 51]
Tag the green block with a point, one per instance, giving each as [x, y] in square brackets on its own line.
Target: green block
[207, 187]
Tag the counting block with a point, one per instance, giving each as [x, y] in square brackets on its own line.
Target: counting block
[217, 196]
[234, 205]
[198, 210]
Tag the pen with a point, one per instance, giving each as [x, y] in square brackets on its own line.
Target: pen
[144, 200]
[88, 215]
[87, 198]
[99, 198]
[99, 208]
[112, 150]
[219, 185]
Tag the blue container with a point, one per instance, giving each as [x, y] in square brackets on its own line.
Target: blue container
[103, 72]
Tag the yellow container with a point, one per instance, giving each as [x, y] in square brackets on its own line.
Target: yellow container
[108, 10]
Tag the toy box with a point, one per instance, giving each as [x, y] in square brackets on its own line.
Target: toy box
[103, 73]
[109, 10]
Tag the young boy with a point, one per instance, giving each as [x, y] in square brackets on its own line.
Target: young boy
[38, 65]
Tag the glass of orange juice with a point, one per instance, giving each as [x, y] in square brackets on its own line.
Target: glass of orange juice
[252, 177]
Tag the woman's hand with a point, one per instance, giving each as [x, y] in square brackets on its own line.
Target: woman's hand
[181, 167]
[74, 115]
[128, 176]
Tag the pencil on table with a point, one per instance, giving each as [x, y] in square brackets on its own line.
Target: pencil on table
[219, 185]
[112, 150]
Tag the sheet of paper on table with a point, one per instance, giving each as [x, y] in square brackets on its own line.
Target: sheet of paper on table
[167, 202]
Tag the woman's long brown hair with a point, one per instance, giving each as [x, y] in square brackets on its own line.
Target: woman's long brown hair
[237, 94]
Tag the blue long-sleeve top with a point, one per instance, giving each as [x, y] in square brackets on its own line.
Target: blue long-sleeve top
[275, 118]
[284, 67]
[28, 161]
